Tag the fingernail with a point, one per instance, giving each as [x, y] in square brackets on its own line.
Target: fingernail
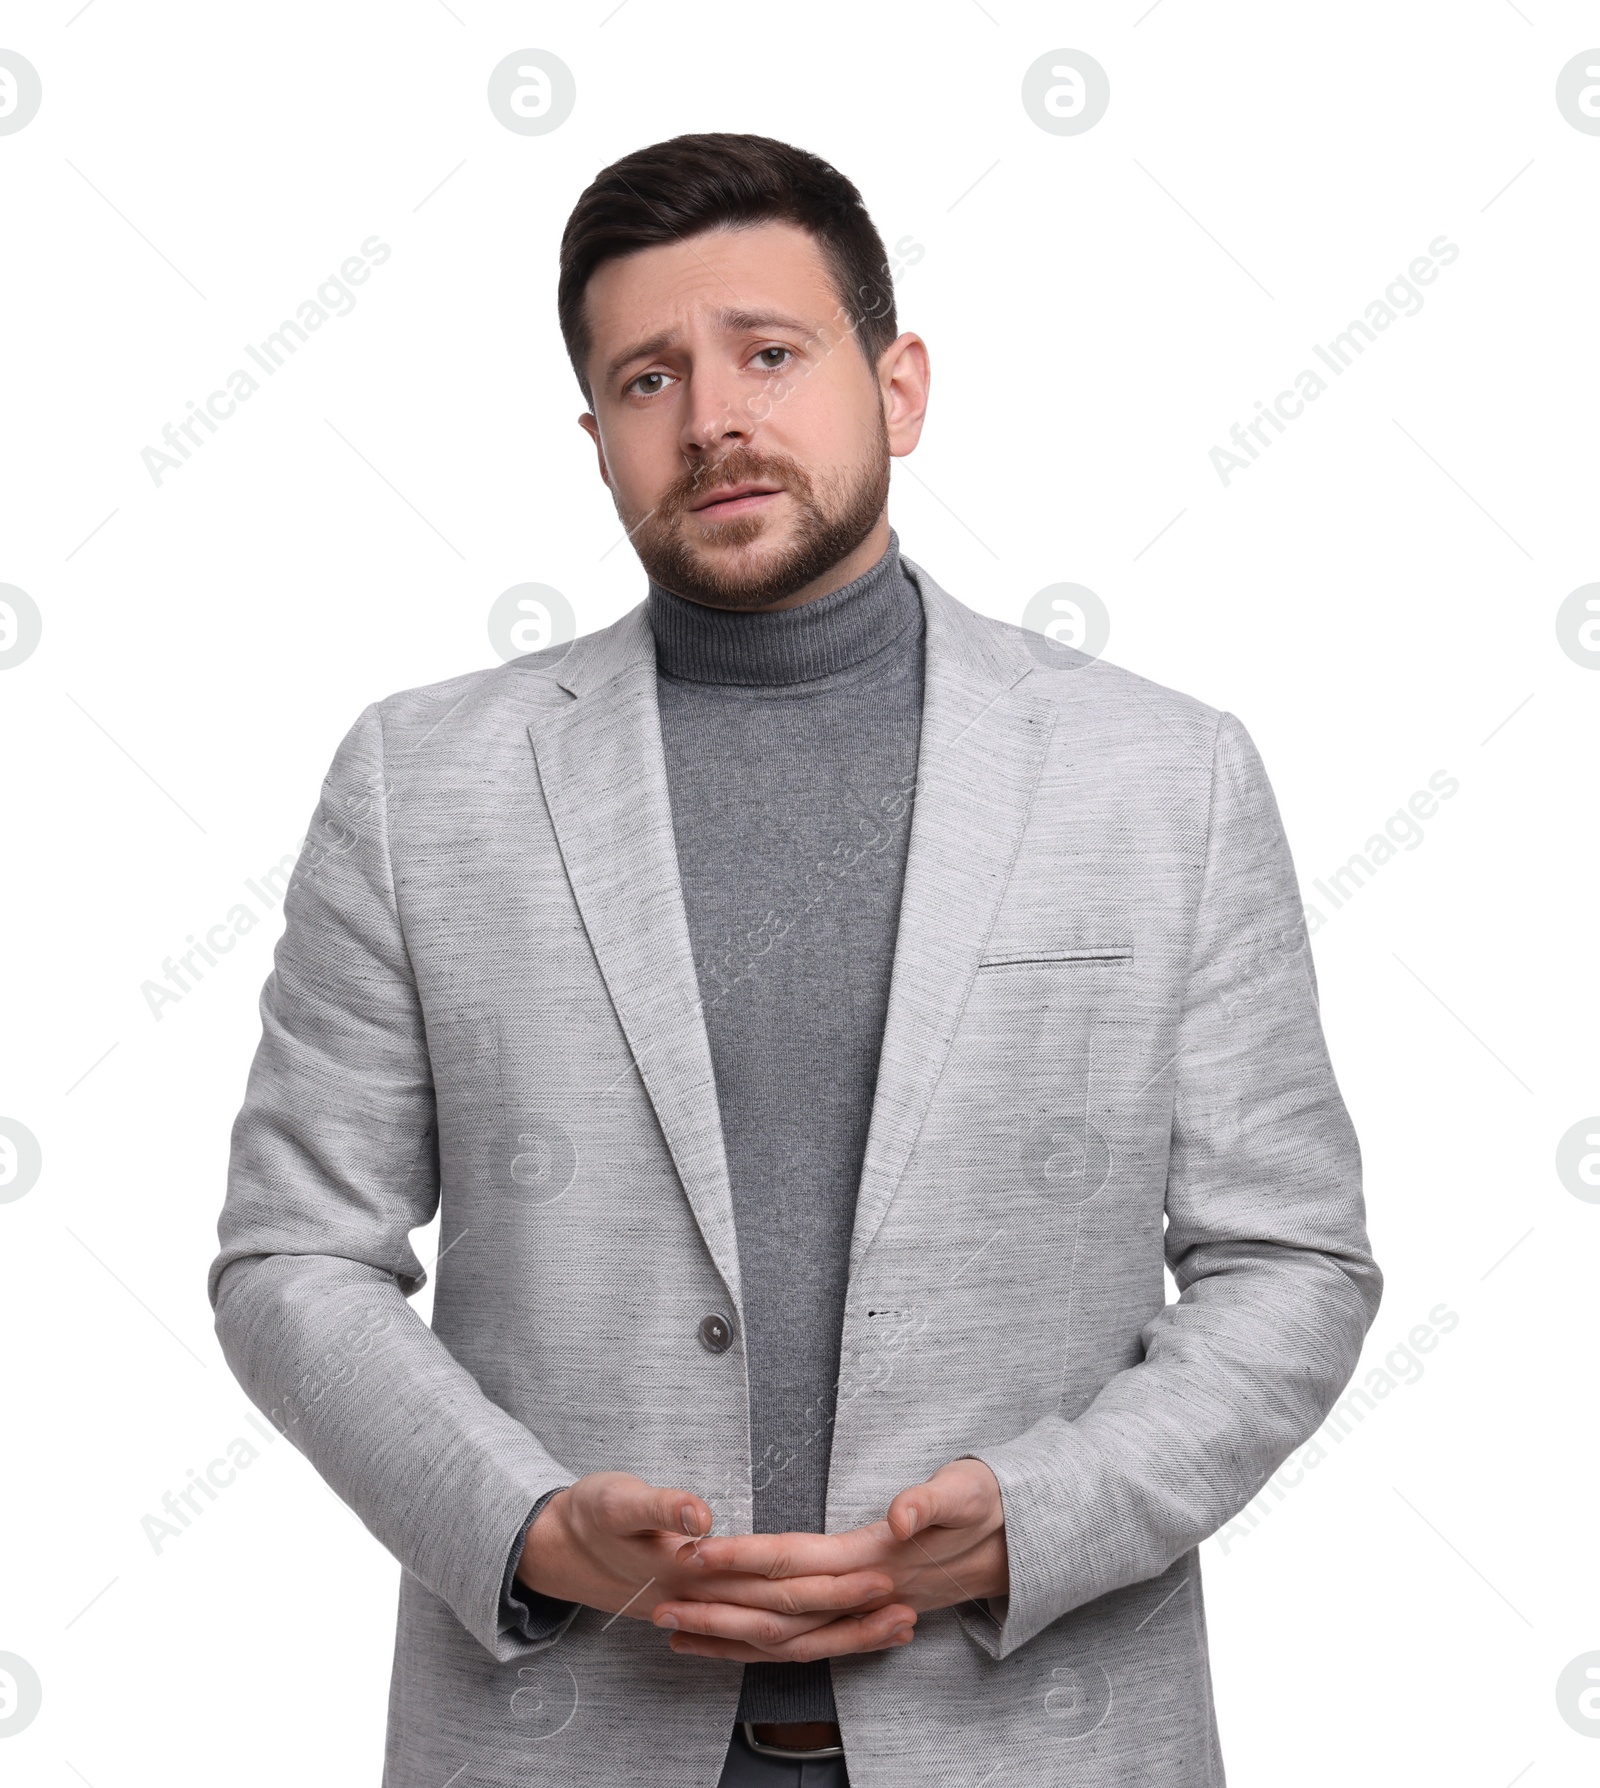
[666, 1620]
[913, 1521]
[691, 1523]
[900, 1636]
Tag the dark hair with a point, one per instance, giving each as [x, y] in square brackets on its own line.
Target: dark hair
[713, 179]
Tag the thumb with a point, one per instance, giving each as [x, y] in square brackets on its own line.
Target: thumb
[680, 1512]
[949, 1498]
[919, 1507]
[628, 1504]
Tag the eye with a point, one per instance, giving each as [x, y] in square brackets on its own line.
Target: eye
[770, 365]
[641, 379]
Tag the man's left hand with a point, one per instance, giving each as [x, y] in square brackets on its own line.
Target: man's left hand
[940, 1542]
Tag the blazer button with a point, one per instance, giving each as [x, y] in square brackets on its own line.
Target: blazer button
[716, 1333]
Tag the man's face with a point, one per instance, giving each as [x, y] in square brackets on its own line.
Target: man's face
[724, 361]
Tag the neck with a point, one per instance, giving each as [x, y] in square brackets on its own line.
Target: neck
[795, 643]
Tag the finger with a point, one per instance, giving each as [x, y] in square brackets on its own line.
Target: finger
[915, 1509]
[852, 1591]
[775, 1634]
[822, 1597]
[761, 1627]
[625, 1504]
[882, 1631]
[952, 1497]
[794, 1554]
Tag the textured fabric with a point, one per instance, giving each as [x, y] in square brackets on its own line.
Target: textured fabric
[1103, 1013]
[756, 652]
[790, 742]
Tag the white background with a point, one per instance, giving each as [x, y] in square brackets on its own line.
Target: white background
[1375, 599]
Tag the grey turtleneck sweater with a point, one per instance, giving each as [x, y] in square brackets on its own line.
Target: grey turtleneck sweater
[791, 752]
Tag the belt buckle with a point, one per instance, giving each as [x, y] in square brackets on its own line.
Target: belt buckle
[767, 1750]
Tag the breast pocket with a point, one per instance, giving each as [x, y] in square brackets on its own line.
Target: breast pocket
[1066, 955]
[1021, 1107]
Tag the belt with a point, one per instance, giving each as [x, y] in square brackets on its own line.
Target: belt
[794, 1738]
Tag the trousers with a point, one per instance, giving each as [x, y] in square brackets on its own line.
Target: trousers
[745, 1768]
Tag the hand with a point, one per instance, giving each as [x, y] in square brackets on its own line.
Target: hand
[940, 1542]
[612, 1541]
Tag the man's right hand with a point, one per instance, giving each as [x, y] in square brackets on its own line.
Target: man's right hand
[612, 1541]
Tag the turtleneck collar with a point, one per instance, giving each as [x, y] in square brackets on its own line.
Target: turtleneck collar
[794, 645]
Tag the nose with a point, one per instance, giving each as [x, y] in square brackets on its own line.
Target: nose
[716, 417]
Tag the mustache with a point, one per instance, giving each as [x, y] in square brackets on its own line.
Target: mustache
[734, 468]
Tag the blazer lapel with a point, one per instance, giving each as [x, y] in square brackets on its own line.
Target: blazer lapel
[604, 778]
[982, 747]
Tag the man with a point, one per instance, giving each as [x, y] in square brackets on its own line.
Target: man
[818, 1011]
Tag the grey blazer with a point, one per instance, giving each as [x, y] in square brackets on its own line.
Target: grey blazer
[1103, 1051]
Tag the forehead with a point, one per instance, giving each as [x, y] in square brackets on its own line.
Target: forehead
[767, 267]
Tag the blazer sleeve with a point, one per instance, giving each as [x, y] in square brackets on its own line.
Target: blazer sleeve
[333, 1163]
[1266, 1239]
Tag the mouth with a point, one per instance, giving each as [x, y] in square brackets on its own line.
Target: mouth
[736, 499]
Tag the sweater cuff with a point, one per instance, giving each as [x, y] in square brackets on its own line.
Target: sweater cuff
[529, 1613]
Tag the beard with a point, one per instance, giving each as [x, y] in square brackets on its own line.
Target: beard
[832, 517]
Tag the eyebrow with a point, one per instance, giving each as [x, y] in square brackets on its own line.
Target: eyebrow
[733, 320]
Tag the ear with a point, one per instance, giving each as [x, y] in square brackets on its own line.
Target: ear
[904, 375]
[588, 423]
